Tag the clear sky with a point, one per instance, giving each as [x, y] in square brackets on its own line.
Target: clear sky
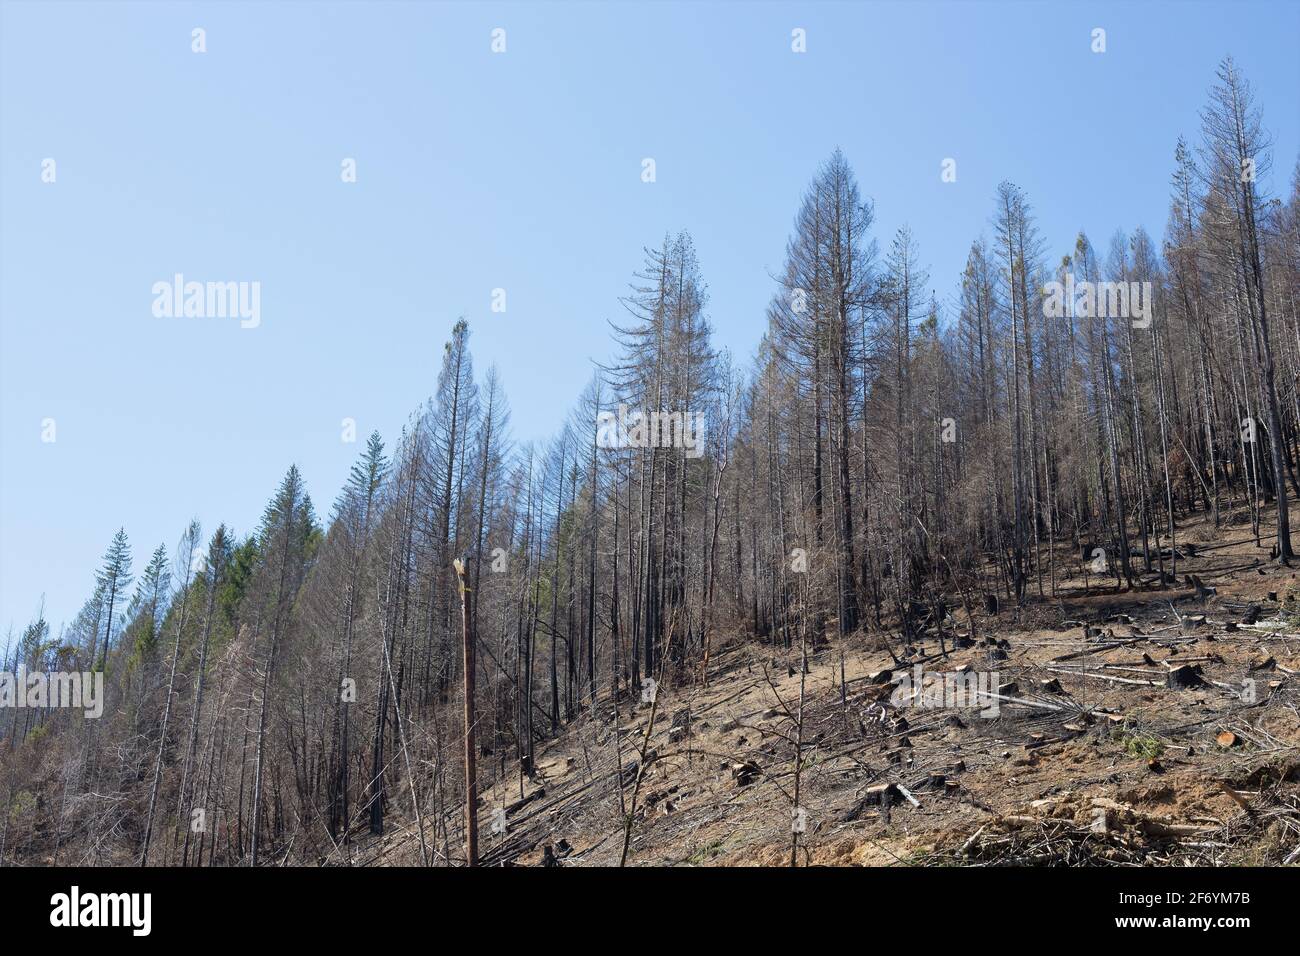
[478, 170]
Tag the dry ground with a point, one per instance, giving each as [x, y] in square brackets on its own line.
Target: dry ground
[1109, 764]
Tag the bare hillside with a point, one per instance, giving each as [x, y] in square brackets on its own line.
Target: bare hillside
[1146, 727]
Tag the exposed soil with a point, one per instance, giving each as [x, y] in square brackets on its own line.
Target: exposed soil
[1095, 755]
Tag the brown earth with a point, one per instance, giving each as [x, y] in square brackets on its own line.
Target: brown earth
[1114, 766]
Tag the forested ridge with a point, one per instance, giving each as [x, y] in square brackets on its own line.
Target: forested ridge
[887, 465]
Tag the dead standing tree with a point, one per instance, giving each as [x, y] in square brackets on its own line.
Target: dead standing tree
[471, 776]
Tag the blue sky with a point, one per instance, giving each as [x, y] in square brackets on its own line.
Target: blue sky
[477, 171]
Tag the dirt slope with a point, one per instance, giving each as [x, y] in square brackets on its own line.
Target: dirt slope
[1096, 754]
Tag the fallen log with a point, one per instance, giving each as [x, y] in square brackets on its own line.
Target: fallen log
[1105, 677]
